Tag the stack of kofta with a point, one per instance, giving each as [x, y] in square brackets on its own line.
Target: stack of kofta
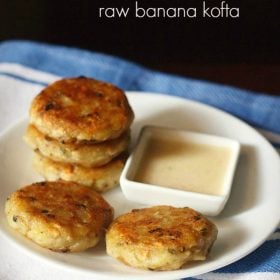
[80, 131]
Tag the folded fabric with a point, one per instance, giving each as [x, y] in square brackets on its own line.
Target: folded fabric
[260, 110]
[257, 109]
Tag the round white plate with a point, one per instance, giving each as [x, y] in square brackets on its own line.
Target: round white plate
[250, 215]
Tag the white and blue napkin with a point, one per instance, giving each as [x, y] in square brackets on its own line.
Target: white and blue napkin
[36, 63]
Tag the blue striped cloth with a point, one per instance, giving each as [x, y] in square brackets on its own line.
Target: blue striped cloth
[259, 110]
[263, 112]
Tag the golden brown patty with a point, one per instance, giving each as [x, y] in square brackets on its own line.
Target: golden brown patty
[61, 216]
[81, 109]
[100, 178]
[85, 153]
[160, 237]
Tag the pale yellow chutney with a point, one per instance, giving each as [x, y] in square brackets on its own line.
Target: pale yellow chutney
[184, 165]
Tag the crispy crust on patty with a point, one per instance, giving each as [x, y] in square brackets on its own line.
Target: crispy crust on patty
[85, 153]
[76, 109]
[100, 178]
[160, 237]
[61, 216]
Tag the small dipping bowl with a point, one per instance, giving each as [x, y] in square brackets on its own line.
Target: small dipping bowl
[180, 168]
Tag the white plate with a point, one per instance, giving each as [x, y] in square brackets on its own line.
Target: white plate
[251, 214]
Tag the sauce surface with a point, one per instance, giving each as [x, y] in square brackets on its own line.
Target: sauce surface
[184, 165]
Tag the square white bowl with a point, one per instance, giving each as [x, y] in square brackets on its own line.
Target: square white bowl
[150, 194]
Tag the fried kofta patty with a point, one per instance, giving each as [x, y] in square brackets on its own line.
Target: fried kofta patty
[77, 109]
[61, 216]
[100, 178]
[160, 237]
[86, 153]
